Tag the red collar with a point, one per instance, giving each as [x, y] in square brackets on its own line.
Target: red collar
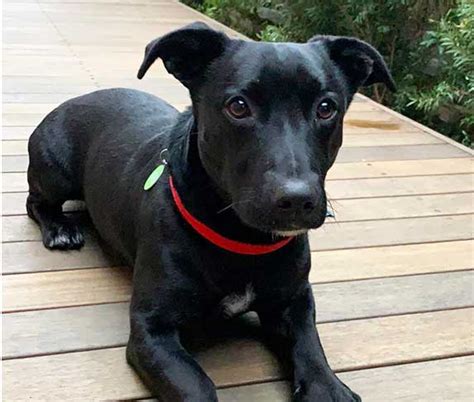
[221, 241]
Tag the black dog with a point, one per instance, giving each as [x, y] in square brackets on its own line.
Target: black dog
[224, 226]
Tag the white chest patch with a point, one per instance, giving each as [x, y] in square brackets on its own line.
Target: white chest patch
[237, 303]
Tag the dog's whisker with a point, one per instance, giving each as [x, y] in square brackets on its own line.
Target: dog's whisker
[333, 210]
[232, 204]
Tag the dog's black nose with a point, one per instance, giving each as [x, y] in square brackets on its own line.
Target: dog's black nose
[296, 196]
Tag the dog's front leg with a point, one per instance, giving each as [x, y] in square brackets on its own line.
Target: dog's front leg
[293, 329]
[168, 370]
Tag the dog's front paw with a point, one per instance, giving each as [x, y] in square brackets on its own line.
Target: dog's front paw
[316, 391]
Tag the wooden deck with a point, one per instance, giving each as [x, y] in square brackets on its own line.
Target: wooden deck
[392, 277]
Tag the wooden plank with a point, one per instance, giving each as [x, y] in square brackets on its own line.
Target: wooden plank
[341, 171]
[349, 345]
[330, 236]
[13, 148]
[14, 163]
[17, 133]
[34, 257]
[46, 85]
[436, 381]
[32, 97]
[19, 163]
[75, 328]
[328, 266]
[385, 124]
[399, 186]
[28, 108]
[12, 182]
[398, 169]
[391, 232]
[82, 328]
[342, 301]
[32, 116]
[378, 262]
[358, 115]
[350, 140]
[15, 116]
[66, 288]
[23, 119]
[415, 124]
[45, 66]
[22, 228]
[14, 204]
[399, 153]
[347, 154]
[445, 380]
[403, 207]
[346, 210]
[372, 140]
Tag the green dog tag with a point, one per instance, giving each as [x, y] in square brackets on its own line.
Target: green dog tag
[154, 177]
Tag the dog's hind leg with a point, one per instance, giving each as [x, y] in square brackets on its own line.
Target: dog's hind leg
[51, 183]
[58, 231]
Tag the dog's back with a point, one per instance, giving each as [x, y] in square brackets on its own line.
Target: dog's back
[85, 128]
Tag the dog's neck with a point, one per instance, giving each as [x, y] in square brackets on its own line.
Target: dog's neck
[199, 193]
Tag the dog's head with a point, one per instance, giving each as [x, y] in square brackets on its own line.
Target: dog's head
[269, 116]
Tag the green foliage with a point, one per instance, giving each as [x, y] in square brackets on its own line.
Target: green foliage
[444, 95]
[428, 45]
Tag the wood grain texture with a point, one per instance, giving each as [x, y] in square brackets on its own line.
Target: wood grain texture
[14, 203]
[81, 328]
[332, 235]
[66, 288]
[15, 158]
[398, 153]
[399, 169]
[399, 186]
[391, 232]
[23, 228]
[14, 163]
[346, 210]
[403, 207]
[414, 123]
[378, 262]
[438, 381]
[356, 170]
[14, 182]
[349, 345]
[33, 257]
[372, 140]
[346, 154]
[23, 132]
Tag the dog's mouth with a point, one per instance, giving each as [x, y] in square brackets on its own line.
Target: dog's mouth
[280, 225]
[290, 233]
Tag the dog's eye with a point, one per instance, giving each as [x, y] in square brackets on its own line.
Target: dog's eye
[237, 108]
[326, 109]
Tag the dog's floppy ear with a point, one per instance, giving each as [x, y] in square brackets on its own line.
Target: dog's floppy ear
[360, 62]
[185, 52]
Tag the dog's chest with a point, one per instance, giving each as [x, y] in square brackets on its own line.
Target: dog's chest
[237, 303]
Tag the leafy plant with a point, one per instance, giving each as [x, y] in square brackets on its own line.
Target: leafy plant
[445, 96]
